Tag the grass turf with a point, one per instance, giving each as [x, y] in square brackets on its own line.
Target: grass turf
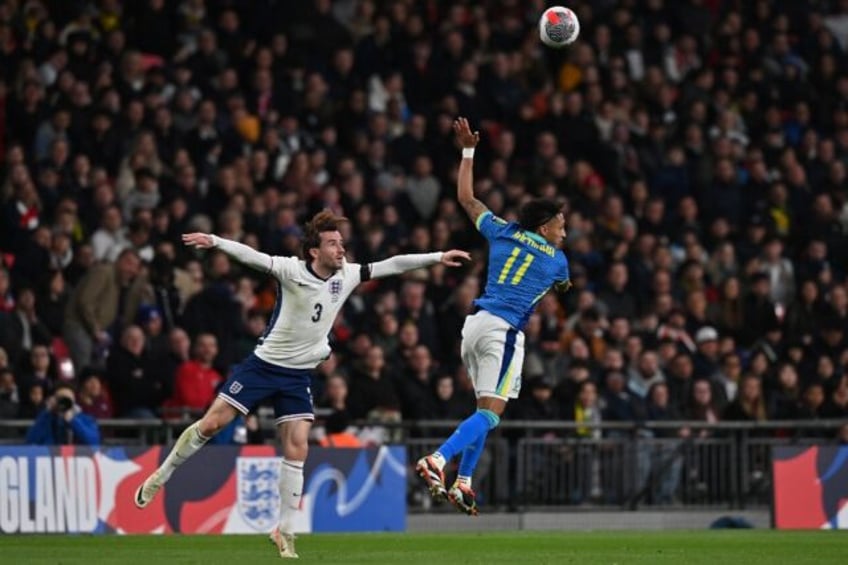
[748, 547]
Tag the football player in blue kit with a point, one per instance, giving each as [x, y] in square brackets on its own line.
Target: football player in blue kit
[525, 262]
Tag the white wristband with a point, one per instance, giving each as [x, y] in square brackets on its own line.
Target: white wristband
[467, 152]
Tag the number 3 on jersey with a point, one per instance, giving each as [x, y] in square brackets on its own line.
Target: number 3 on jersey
[317, 315]
[524, 264]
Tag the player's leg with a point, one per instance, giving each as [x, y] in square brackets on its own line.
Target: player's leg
[498, 359]
[245, 387]
[461, 494]
[294, 412]
[431, 467]
[190, 441]
[490, 400]
[496, 354]
[294, 436]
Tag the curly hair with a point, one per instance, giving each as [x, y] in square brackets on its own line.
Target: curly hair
[323, 221]
[537, 213]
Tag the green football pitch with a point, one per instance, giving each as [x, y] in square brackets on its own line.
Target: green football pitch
[748, 547]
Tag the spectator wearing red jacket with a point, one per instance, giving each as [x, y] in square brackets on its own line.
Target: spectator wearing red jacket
[197, 380]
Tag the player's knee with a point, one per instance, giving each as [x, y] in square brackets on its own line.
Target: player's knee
[492, 418]
[213, 423]
[296, 450]
[209, 426]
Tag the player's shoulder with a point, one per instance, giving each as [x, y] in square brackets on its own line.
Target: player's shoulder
[288, 261]
[284, 267]
[492, 220]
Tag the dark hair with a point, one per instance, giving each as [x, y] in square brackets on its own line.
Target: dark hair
[536, 213]
[323, 221]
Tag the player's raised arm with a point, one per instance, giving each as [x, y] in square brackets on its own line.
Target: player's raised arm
[402, 263]
[238, 251]
[468, 140]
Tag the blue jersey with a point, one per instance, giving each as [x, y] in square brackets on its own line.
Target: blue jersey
[522, 268]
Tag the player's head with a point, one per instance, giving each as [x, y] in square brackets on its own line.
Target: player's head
[545, 218]
[322, 241]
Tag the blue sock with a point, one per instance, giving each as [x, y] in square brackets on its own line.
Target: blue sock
[476, 425]
[471, 455]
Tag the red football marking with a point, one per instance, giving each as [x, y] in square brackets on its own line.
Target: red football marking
[553, 17]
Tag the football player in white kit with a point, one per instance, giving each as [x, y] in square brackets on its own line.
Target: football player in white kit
[310, 293]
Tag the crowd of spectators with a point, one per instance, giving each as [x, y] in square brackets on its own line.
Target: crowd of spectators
[698, 147]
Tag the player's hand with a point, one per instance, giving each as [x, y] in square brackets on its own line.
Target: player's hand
[452, 258]
[564, 286]
[464, 136]
[198, 240]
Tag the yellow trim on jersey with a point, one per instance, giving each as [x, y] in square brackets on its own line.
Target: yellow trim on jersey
[539, 296]
[480, 219]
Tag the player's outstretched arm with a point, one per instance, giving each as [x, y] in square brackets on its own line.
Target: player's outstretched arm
[238, 251]
[402, 263]
[465, 180]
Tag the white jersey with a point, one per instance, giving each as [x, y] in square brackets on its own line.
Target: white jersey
[297, 335]
[298, 331]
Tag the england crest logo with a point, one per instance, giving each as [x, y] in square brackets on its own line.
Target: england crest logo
[335, 290]
[256, 486]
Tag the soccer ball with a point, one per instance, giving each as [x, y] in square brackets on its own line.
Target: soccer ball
[558, 27]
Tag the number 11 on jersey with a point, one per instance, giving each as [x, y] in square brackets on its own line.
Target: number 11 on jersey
[510, 262]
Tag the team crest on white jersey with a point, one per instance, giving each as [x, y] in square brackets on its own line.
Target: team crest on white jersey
[335, 290]
[258, 495]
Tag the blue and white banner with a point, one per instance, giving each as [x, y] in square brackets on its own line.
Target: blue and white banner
[219, 490]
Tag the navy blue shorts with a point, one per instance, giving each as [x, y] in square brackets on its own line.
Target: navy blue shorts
[253, 380]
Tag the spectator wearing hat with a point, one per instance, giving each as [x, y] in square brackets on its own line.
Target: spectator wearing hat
[150, 321]
[706, 358]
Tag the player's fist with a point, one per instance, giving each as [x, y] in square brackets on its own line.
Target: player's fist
[452, 258]
[564, 286]
[464, 136]
[198, 240]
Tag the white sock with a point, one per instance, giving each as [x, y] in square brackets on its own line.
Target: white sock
[189, 443]
[291, 489]
[439, 460]
[464, 481]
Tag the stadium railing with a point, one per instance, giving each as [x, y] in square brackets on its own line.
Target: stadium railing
[531, 463]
